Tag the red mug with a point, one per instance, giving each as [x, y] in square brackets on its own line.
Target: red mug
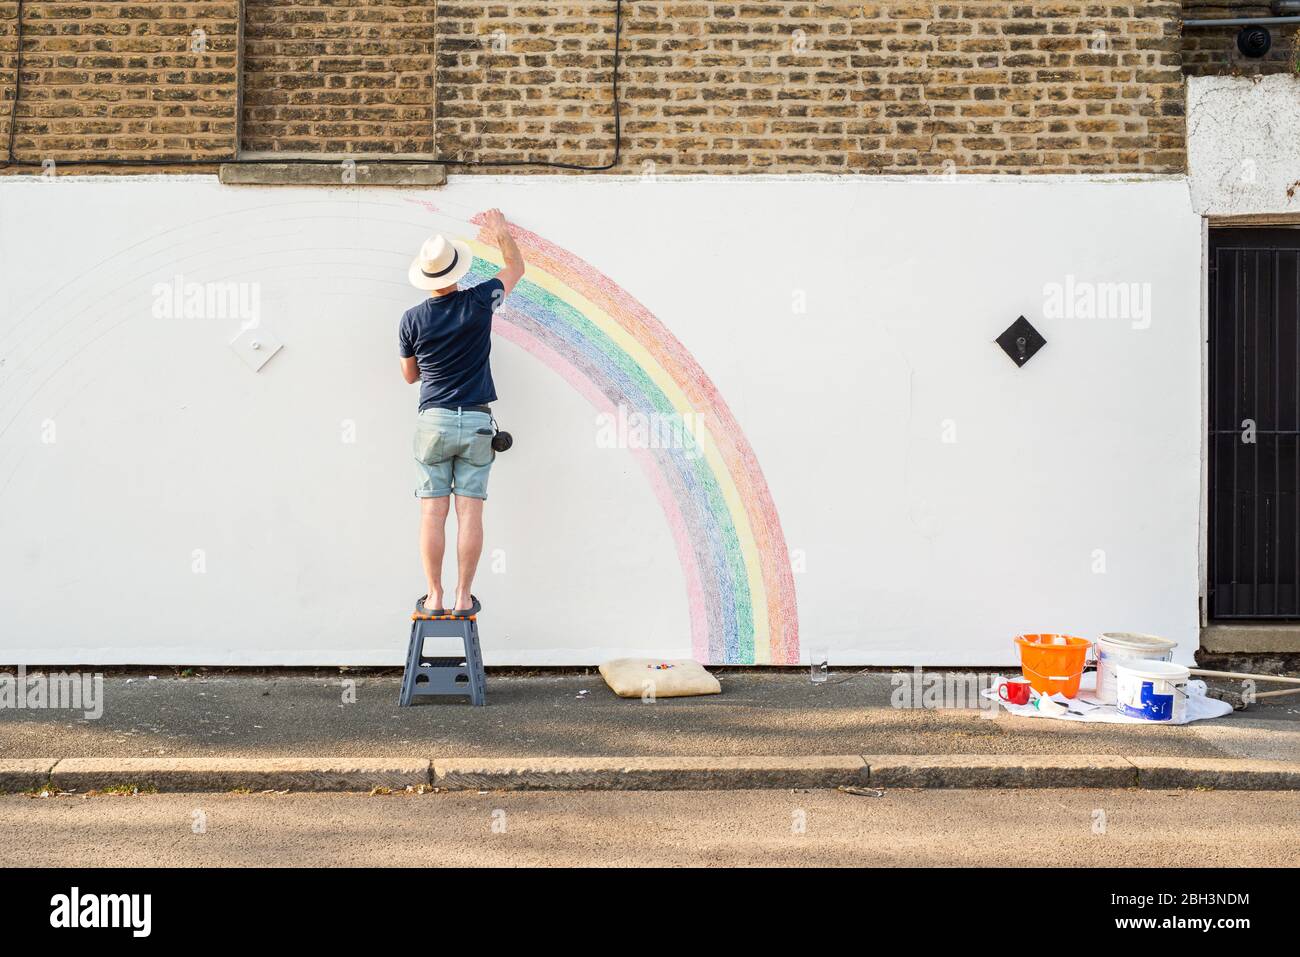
[1014, 691]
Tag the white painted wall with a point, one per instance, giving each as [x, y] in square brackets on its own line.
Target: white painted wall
[1243, 144]
[917, 550]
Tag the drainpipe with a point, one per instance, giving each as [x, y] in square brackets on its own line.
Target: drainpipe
[1241, 22]
[1254, 38]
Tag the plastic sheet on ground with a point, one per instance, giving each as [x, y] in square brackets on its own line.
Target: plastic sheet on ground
[1199, 707]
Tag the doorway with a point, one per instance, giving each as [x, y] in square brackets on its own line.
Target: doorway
[1253, 554]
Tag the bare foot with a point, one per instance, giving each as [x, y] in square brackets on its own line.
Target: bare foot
[464, 602]
[433, 602]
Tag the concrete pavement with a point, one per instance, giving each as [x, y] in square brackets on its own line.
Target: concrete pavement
[733, 828]
[298, 732]
[577, 715]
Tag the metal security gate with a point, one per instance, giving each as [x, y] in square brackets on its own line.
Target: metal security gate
[1254, 419]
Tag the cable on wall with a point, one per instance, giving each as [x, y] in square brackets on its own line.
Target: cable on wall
[18, 82]
[11, 161]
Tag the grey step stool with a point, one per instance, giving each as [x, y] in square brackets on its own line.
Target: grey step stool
[427, 677]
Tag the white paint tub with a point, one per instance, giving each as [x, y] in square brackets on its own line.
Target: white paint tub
[1116, 646]
[1152, 690]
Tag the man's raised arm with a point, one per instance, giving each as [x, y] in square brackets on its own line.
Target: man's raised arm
[499, 231]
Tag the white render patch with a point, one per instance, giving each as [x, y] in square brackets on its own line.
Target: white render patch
[1242, 137]
[936, 499]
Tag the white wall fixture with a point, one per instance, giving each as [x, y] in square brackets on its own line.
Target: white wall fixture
[256, 345]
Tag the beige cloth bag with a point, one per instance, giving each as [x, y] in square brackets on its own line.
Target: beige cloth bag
[634, 677]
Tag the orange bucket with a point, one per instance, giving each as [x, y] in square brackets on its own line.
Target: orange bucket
[1053, 663]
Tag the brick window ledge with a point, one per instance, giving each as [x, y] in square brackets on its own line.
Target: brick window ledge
[274, 170]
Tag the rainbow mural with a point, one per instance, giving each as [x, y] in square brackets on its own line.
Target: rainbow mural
[612, 350]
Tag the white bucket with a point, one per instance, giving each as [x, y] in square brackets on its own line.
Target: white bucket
[1116, 646]
[1153, 690]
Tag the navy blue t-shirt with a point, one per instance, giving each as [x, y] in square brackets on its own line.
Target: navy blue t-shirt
[451, 337]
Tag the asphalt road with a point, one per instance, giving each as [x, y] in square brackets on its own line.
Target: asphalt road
[549, 715]
[828, 828]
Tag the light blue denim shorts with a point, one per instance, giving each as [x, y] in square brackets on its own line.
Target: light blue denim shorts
[453, 452]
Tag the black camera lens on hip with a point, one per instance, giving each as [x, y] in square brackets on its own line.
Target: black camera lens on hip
[501, 441]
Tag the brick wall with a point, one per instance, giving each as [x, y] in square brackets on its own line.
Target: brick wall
[1212, 51]
[827, 87]
[121, 79]
[971, 85]
[339, 76]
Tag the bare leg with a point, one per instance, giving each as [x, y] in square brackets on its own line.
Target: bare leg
[433, 541]
[469, 546]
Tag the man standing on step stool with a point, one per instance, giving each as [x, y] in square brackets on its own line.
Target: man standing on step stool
[444, 344]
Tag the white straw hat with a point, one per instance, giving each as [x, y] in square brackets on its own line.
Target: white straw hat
[441, 263]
